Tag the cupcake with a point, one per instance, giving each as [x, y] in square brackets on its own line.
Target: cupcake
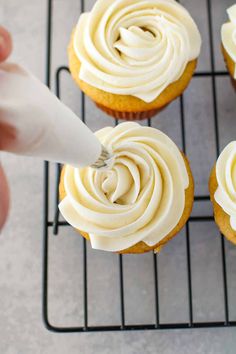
[132, 58]
[228, 39]
[137, 205]
[222, 185]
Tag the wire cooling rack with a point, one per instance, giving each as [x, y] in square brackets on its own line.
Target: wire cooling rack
[55, 224]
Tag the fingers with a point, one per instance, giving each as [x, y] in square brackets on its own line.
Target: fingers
[8, 135]
[4, 198]
[5, 44]
[5, 51]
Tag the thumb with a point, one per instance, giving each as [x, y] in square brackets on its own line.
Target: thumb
[5, 44]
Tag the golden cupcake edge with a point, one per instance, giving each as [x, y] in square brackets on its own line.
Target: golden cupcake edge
[141, 247]
[221, 218]
[230, 65]
[125, 106]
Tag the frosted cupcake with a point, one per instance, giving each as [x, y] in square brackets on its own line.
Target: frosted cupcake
[137, 205]
[132, 58]
[228, 38]
[222, 185]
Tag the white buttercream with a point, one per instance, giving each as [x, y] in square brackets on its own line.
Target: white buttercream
[228, 35]
[225, 194]
[135, 47]
[141, 198]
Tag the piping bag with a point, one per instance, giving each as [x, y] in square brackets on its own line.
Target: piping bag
[34, 122]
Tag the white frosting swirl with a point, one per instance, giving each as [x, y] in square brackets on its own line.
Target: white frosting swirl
[228, 35]
[141, 198]
[225, 194]
[135, 47]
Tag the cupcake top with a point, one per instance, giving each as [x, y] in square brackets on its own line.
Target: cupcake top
[225, 194]
[140, 198]
[228, 35]
[135, 47]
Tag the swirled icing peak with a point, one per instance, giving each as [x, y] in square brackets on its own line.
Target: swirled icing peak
[135, 47]
[228, 35]
[225, 194]
[140, 198]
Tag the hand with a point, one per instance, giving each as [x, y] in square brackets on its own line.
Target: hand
[5, 51]
[33, 122]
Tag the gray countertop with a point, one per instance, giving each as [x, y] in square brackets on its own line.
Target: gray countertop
[21, 327]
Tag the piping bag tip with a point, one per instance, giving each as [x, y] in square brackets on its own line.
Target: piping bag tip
[105, 161]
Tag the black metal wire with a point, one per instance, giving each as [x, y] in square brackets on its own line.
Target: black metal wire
[58, 166]
[85, 279]
[214, 93]
[122, 301]
[46, 177]
[190, 296]
[55, 224]
[156, 283]
[188, 251]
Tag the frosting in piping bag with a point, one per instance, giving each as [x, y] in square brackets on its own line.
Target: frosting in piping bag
[225, 194]
[141, 198]
[135, 47]
[228, 35]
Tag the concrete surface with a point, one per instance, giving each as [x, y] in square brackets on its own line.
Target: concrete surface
[21, 326]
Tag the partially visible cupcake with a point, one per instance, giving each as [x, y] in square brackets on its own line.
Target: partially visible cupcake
[222, 185]
[132, 58]
[137, 205]
[228, 39]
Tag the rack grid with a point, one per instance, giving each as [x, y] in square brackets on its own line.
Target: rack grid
[55, 224]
